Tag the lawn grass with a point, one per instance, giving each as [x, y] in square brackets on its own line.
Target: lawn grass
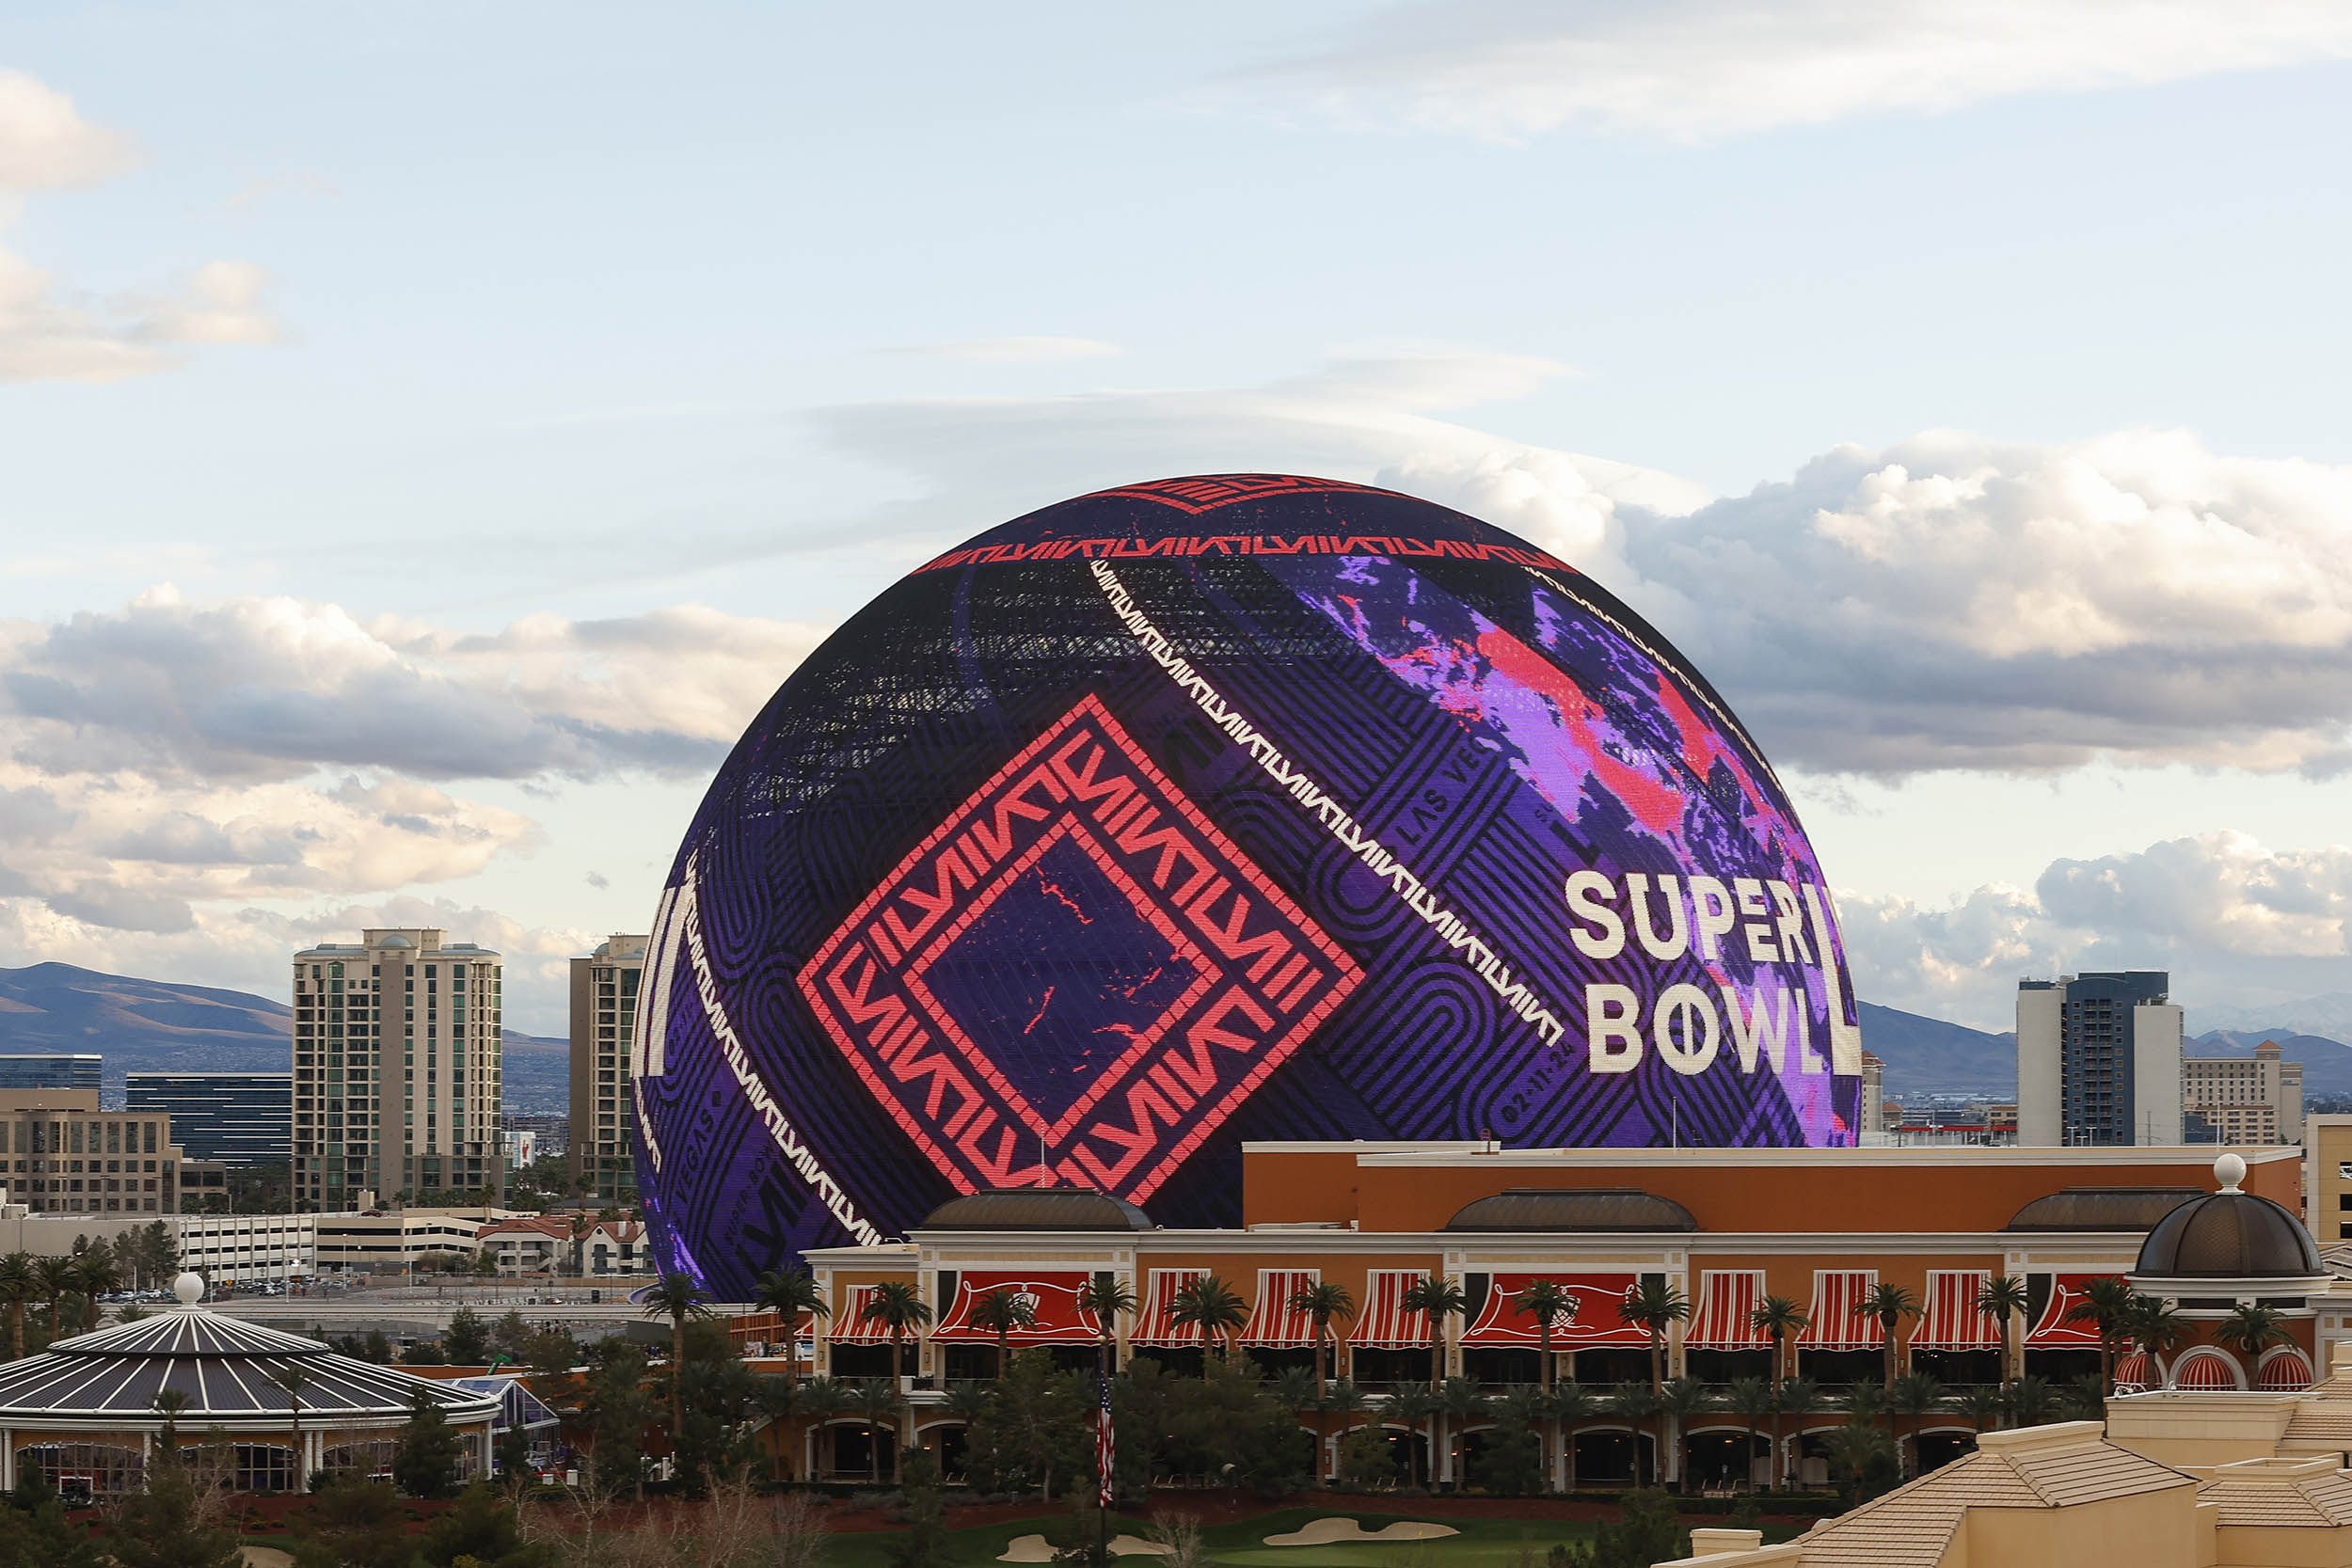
[1482, 1544]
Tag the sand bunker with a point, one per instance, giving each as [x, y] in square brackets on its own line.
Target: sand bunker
[1036, 1548]
[1334, 1532]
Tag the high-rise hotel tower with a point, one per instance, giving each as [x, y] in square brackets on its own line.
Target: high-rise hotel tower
[395, 1067]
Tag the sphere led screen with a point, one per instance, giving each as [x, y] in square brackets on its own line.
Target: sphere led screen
[1212, 810]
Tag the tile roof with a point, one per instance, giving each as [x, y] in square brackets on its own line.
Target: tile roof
[1912, 1526]
[2317, 1503]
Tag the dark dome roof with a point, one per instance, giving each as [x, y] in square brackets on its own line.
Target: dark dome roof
[2228, 1235]
[1038, 1208]
[1573, 1209]
[2102, 1208]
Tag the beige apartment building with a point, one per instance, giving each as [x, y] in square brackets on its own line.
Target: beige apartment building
[396, 1068]
[2247, 1100]
[63, 1155]
[604, 1029]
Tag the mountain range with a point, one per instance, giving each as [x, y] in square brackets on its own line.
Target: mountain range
[151, 1026]
[163, 1026]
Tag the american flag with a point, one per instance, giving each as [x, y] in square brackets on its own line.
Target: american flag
[1106, 1444]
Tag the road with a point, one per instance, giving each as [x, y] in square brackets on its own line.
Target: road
[415, 1312]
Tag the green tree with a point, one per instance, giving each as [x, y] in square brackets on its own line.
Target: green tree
[1213, 1307]
[1637, 1403]
[353, 1523]
[2158, 1330]
[95, 1273]
[789, 1293]
[2107, 1306]
[426, 1463]
[922, 1541]
[1914, 1394]
[39, 1534]
[2004, 1299]
[1414, 1404]
[171, 1404]
[1681, 1398]
[1889, 1304]
[1325, 1303]
[878, 1406]
[1645, 1531]
[1109, 1298]
[1799, 1397]
[56, 1283]
[1981, 1407]
[19, 1284]
[900, 1309]
[1653, 1307]
[1861, 1460]
[1035, 1428]
[2249, 1330]
[1752, 1399]
[1002, 1311]
[1367, 1458]
[164, 1526]
[2028, 1400]
[1512, 1465]
[291, 1379]
[1571, 1404]
[482, 1527]
[466, 1340]
[679, 1298]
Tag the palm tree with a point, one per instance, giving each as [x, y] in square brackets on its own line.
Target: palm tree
[56, 1283]
[1779, 1320]
[1913, 1394]
[1637, 1405]
[171, 1403]
[1799, 1397]
[1322, 1302]
[2085, 1398]
[899, 1307]
[1412, 1404]
[1571, 1404]
[1754, 1398]
[1213, 1307]
[677, 1297]
[294, 1377]
[2028, 1400]
[2106, 1303]
[1000, 1311]
[2249, 1330]
[1441, 1297]
[1681, 1398]
[1653, 1307]
[877, 1400]
[95, 1273]
[1890, 1305]
[1981, 1407]
[818, 1398]
[2001, 1298]
[1465, 1401]
[1109, 1298]
[20, 1282]
[1547, 1301]
[2155, 1329]
[1345, 1400]
[788, 1293]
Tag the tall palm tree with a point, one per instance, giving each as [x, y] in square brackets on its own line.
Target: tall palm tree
[818, 1399]
[1461, 1399]
[1799, 1397]
[1548, 1302]
[1981, 1407]
[1213, 1307]
[788, 1293]
[899, 1307]
[1109, 1298]
[1754, 1398]
[2002, 1298]
[877, 1402]
[1345, 1400]
[2249, 1330]
[1324, 1303]
[95, 1273]
[677, 1297]
[20, 1282]
[1681, 1398]
[1913, 1394]
[1412, 1404]
[1890, 1305]
[294, 1377]
[1001, 1312]
[171, 1404]
[2027, 1402]
[1571, 1405]
[1441, 1296]
[56, 1283]
[2155, 1329]
[1780, 1319]
[1653, 1307]
[2107, 1303]
[1638, 1404]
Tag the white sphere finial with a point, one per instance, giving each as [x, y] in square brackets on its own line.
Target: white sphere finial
[189, 1288]
[2230, 1170]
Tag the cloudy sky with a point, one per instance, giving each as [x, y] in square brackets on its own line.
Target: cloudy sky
[427, 433]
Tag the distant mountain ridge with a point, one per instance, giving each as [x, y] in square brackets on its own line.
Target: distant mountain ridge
[162, 1026]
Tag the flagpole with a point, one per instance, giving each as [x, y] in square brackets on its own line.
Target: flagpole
[1103, 1463]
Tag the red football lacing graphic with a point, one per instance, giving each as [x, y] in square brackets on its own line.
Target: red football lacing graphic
[1262, 974]
[1202, 493]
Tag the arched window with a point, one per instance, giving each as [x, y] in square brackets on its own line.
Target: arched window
[102, 1469]
[246, 1466]
[368, 1457]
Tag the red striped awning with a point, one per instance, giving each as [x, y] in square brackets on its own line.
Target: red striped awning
[1156, 1324]
[2132, 1371]
[1953, 1320]
[1594, 1317]
[2200, 1369]
[1834, 1324]
[1725, 1318]
[2285, 1371]
[1386, 1325]
[1274, 1322]
[850, 1325]
[2052, 1330]
[1052, 1298]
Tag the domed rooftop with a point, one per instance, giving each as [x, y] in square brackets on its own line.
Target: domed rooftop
[1566, 1209]
[2102, 1208]
[2230, 1235]
[1038, 1208]
[226, 1368]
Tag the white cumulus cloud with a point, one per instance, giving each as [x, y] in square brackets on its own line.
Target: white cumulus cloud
[1696, 70]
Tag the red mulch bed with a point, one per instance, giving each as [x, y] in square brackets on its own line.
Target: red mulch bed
[1225, 1507]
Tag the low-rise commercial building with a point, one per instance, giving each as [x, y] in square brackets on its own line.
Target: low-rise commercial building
[66, 1156]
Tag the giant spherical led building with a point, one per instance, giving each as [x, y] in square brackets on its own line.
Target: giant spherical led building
[1219, 809]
